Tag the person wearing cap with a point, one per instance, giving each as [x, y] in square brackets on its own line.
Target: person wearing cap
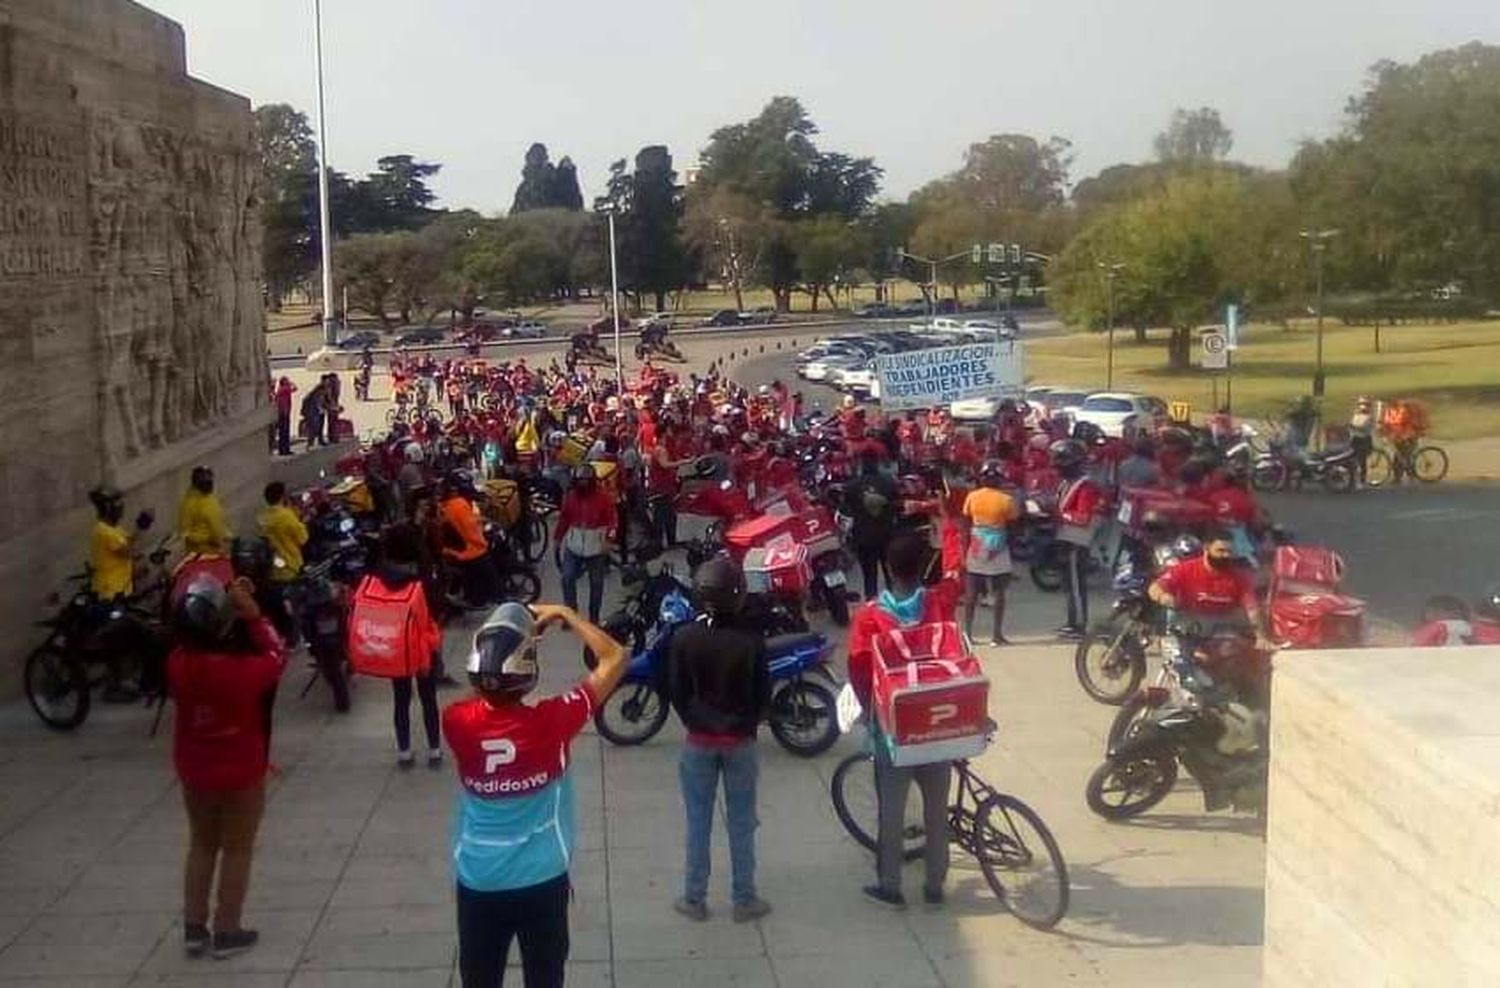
[720, 685]
[514, 833]
[227, 662]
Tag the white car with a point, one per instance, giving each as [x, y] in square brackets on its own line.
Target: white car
[835, 367]
[529, 330]
[988, 331]
[941, 324]
[1111, 411]
[979, 409]
[859, 379]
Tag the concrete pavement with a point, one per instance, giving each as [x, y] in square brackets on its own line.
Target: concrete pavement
[351, 884]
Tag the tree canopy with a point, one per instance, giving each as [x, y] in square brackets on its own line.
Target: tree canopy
[545, 185]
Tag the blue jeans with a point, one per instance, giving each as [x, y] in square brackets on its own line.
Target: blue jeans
[699, 772]
[574, 566]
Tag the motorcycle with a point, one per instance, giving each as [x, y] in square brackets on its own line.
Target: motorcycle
[1220, 740]
[657, 345]
[586, 347]
[318, 600]
[1282, 467]
[87, 638]
[1110, 661]
[802, 715]
[790, 519]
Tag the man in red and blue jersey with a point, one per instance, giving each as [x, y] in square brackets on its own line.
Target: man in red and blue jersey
[514, 833]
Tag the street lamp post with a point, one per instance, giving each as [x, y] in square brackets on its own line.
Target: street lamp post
[614, 299]
[325, 234]
[1111, 272]
[932, 267]
[1318, 242]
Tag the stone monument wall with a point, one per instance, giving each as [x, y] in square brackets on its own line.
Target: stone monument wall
[1383, 836]
[131, 321]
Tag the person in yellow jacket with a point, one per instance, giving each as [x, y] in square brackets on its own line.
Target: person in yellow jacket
[284, 531]
[200, 519]
[111, 567]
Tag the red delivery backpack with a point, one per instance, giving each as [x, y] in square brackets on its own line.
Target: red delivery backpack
[391, 632]
[931, 697]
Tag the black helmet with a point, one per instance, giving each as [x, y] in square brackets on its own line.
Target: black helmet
[991, 472]
[203, 479]
[1488, 606]
[1156, 524]
[104, 495]
[720, 586]
[204, 614]
[504, 655]
[251, 557]
[1088, 432]
[1067, 453]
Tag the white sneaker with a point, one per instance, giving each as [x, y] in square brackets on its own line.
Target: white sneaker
[405, 759]
[435, 758]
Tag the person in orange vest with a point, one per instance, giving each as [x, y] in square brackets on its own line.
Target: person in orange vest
[465, 547]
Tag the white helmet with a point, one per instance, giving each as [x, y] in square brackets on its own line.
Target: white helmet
[764, 391]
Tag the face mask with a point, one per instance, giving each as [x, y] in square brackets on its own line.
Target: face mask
[906, 610]
[1220, 562]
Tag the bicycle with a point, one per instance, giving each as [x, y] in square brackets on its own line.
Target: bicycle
[1427, 464]
[983, 822]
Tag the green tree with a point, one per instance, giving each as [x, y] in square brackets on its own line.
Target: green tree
[565, 191]
[828, 248]
[1413, 182]
[538, 181]
[398, 192]
[1194, 137]
[287, 190]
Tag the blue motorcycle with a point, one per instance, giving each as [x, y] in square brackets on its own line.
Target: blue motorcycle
[802, 715]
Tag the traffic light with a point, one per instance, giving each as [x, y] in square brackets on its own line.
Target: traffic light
[976, 254]
[997, 254]
[1015, 253]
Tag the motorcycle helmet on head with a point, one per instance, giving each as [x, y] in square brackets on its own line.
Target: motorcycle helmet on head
[251, 557]
[1187, 546]
[720, 586]
[203, 615]
[504, 656]
[1067, 453]
[991, 473]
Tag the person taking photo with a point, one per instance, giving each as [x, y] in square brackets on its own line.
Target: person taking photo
[515, 831]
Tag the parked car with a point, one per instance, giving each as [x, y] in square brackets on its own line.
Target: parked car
[655, 319]
[875, 310]
[1112, 411]
[606, 324]
[1064, 401]
[760, 316]
[976, 409]
[481, 333]
[834, 368]
[529, 330]
[911, 307]
[724, 317]
[858, 380]
[422, 336]
[359, 340]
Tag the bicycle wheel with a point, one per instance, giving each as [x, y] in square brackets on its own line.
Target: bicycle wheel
[1379, 469]
[1021, 861]
[858, 807]
[1429, 464]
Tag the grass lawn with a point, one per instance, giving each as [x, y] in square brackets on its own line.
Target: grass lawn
[1454, 369]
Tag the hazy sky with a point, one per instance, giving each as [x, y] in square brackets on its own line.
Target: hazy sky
[471, 83]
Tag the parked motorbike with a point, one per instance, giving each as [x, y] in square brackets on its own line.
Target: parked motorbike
[1202, 725]
[87, 638]
[1110, 661]
[802, 716]
[319, 603]
[1282, 468]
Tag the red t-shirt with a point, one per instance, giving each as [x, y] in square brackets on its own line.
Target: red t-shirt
[939, 604]
[1200, 589]
[593, 510]
[1231, 504]
[219, 741]
[511, 750]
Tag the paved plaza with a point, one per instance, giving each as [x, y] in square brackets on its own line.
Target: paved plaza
[351, 883]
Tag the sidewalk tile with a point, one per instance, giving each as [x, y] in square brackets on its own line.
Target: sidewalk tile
[739, 973]
[437, 977]
[74, 946]
[649, 930]
[282, 936]
[864, 968]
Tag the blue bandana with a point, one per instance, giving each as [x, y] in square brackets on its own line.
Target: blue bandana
[907, 610]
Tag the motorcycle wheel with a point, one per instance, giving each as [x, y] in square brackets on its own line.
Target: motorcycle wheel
[632, 714]
[802, 718]
[1118, 791]
[1110, 661]
[1338, 478]
[1047, 569]
[57, 688]
[858, 808]
[1269, 476]
[522, 585]
[1122, 726]
[838, 604]
[532, 534]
